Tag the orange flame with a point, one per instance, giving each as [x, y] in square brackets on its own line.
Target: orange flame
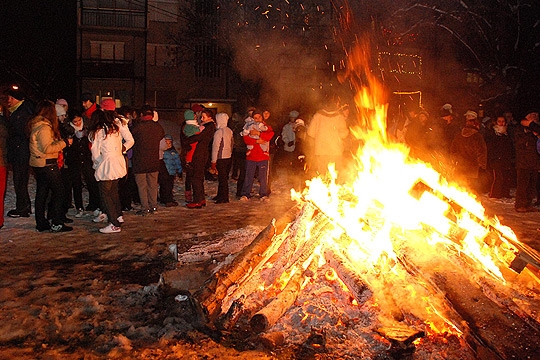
[380, 217]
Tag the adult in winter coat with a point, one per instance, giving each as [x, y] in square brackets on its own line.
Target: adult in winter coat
[222, 148]
[328, 129]
[21, 111]
[257, 158]
[469, 153]
[200, 158]
[109, 142]
[527, 162]
[147, 134]
[45, 143]
[500, 158]
[78, 161]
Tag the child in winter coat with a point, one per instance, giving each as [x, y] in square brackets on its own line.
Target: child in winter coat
[172, 158]
[251, 124]
[170, 166]
[190, 128]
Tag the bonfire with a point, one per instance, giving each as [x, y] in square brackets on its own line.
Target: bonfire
[395, 261]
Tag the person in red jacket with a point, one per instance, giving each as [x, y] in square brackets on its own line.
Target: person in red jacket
[257, 158]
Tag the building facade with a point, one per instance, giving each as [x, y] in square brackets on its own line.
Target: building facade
[126, 51]
[111, 50]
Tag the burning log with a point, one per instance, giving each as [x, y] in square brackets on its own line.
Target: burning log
[355, 284]
[278, 252]
[523, 254]
[271, 313]
[215, 290]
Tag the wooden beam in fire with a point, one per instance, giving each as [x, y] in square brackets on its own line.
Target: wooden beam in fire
[276, 259]
[523, 254]
[215, 289]
[301, 267]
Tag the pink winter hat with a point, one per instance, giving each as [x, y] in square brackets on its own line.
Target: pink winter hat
[61, 102]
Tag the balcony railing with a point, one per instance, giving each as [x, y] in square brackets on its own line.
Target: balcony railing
[108, 68]
[113, 18]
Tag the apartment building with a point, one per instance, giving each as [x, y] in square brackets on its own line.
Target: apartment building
[111, 50]
[126, 52]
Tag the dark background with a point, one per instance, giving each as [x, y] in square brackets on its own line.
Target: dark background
[38, 47]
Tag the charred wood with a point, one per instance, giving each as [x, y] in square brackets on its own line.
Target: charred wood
[215, 289]
[229, 319]
[270, 314]
[491, 328]
[354, 282]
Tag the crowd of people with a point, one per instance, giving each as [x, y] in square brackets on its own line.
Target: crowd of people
[124, 158]
[486, 154]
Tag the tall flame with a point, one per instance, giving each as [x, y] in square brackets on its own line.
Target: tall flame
[381, 214]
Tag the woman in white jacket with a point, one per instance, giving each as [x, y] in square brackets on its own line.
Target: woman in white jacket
[222, 147]
[109, 163]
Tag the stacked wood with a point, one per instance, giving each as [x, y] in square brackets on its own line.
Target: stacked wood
[278, 254]
[271, 313]
[215, 289]
[349, 276]
[266, 278]
[490, 327]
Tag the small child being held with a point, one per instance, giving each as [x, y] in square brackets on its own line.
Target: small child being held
[191, 128]
[251, 124]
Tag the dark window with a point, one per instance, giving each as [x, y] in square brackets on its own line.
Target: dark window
[207, 7]
[206, 64]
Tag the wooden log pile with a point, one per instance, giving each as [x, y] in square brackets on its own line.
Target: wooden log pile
[281, 259]
[265, 280]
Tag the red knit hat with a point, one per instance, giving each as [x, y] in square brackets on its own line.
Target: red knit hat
[108, 104]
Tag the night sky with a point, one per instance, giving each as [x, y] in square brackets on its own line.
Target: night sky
[38, 47]
[38, 50]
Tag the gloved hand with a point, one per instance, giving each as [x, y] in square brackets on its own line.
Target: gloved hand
[213, 169]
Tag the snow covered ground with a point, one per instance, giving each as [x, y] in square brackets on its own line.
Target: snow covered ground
[88, 295]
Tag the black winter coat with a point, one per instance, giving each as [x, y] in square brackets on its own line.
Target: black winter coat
[147, 135]
[527, 156]
[18, 150]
